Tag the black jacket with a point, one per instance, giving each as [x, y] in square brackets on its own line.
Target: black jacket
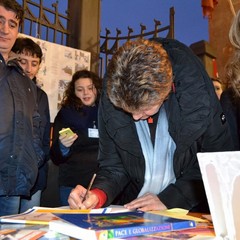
[196, 124]
[45, 127]
[20, 144]
[231, 107]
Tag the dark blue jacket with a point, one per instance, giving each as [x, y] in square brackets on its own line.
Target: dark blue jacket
[20, 144]
[45, 127]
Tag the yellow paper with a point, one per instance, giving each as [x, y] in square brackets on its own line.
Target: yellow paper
[179, 213]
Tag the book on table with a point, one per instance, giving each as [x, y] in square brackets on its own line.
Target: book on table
[33, 223]
[43, 215]
[116, 225]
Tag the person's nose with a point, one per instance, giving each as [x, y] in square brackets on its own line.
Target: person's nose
[86, 91]
[4, 27]
[137, 116]
[28, 68]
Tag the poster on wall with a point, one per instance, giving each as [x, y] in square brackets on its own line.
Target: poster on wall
[58, 65]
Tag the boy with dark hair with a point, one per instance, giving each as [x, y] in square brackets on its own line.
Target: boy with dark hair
[29, 55]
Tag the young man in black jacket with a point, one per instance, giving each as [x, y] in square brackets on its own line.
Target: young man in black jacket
[157, 111]
[20, 145]
[29, 55]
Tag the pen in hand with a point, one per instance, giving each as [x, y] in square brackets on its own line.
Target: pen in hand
[89, 187]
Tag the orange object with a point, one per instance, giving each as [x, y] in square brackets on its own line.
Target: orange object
[150, 120]
[208, 7]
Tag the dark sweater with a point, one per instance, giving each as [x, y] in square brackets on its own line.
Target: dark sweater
[81, 162]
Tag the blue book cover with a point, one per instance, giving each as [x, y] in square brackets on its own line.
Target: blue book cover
[119, 225]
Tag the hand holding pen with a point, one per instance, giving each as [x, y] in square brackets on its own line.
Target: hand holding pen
[80, 194]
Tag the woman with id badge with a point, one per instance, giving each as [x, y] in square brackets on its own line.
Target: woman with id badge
[75, 133]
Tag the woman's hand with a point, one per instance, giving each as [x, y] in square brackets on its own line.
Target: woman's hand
[76, 196]
[147, 202]
[67, 141]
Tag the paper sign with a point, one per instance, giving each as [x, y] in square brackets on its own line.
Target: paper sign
[221, 177]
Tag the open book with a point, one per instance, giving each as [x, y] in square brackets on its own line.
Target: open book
[221, 177]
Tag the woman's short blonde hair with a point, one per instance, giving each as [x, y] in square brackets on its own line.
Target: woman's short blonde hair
[139, 74]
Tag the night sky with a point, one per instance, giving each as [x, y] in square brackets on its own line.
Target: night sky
[190, 25]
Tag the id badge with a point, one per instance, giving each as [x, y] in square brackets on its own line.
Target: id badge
[93, 133]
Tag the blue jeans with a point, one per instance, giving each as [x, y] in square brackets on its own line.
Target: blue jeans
[30, 202]
[9, 205]
[64, 194]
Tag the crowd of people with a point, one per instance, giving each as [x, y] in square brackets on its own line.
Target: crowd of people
[139, 129]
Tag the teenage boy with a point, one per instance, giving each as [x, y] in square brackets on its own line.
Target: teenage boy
[29, 55]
